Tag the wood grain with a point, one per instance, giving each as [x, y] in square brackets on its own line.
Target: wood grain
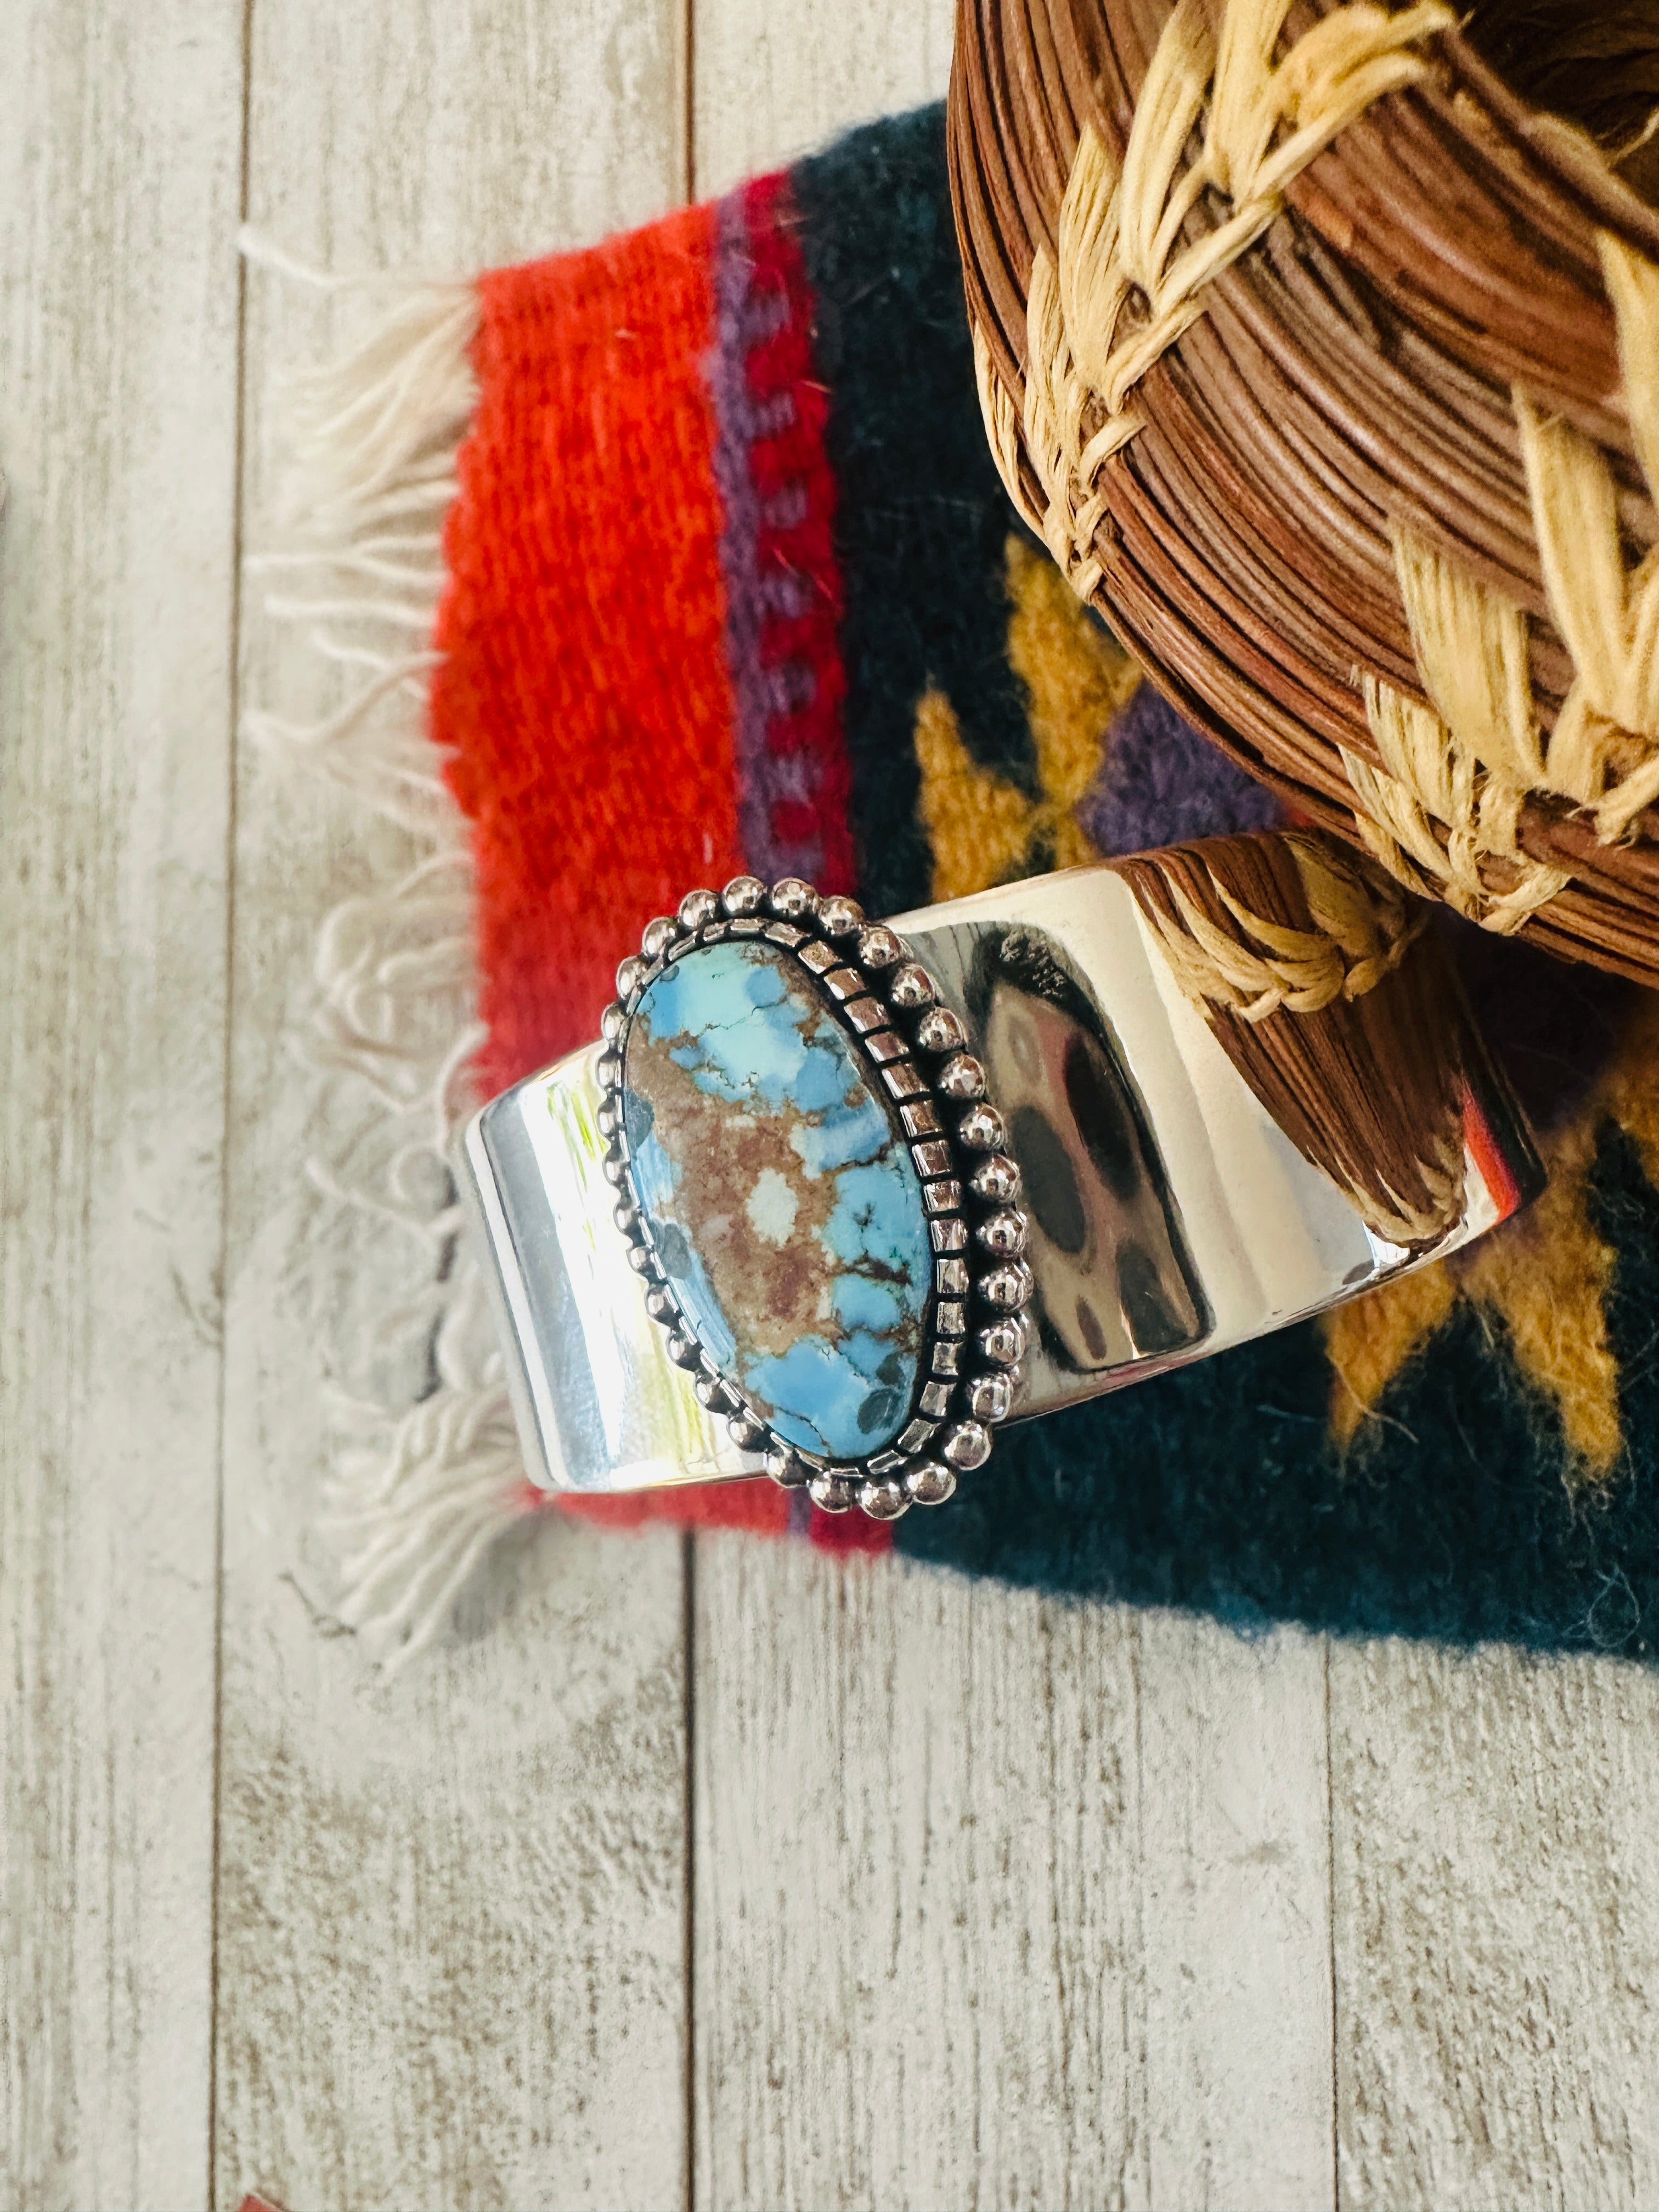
[992, 1896]
[452, 1904]
[1495, 1859]
[1235, 1872]
[995, 1900]
[772, 82]
[119, 133]
[995, 1894]
[919, 1951]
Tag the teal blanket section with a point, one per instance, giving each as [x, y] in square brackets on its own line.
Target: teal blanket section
[1217, 1489]
[1460, 1512]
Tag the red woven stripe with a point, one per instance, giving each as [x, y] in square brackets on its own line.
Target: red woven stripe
[791, 473]
[583, 703]
[759, 1506]
[584, 699]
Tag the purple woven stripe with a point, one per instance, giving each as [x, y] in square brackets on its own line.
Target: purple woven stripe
[745, 319]
[1162, 783]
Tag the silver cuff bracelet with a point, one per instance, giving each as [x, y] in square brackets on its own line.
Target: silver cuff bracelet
[832, 1199]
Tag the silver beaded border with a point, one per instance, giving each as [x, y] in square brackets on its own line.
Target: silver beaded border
[914, 1049]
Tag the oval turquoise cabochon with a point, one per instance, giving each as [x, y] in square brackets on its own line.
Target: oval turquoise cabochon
[780, 1195]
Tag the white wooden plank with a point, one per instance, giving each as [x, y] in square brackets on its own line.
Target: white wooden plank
[1236, 1876]
[1495, 1854]
[997, 1901]
[919, 1948]
[451, 1954]
[119, 150]
[1000, 1900]
[772, 81]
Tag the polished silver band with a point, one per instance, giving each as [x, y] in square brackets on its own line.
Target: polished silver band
[1178, 1200]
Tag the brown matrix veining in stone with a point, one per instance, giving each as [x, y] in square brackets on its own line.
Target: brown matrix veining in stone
[779, 1194]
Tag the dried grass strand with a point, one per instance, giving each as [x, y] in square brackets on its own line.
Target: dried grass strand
[1501, 751]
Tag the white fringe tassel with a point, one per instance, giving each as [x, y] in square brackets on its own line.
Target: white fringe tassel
[416, 1492]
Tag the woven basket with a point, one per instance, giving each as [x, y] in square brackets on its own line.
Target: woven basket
[1328, 367]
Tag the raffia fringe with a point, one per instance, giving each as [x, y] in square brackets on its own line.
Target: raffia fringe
[415, 1494]
[1363, 928]
[1119, 230]
[1443, 810]
[1443, 813]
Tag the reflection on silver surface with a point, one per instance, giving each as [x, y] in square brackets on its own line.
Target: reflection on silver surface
[1115, 1281]
[599, 1405]
[1172, 1216]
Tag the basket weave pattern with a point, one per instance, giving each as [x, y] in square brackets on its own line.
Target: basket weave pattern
[1330, 371]
[1318, 978]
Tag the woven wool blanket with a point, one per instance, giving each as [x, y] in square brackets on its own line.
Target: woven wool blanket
[708, 570]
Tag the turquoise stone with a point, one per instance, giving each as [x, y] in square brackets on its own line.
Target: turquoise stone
[779, 1194]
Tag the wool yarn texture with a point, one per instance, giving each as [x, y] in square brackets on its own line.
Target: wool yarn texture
[708, 567]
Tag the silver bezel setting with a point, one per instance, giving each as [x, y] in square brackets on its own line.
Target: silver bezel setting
[910, 1047]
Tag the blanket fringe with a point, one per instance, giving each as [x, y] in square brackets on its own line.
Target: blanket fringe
[416, 1493]
[416, 1499]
